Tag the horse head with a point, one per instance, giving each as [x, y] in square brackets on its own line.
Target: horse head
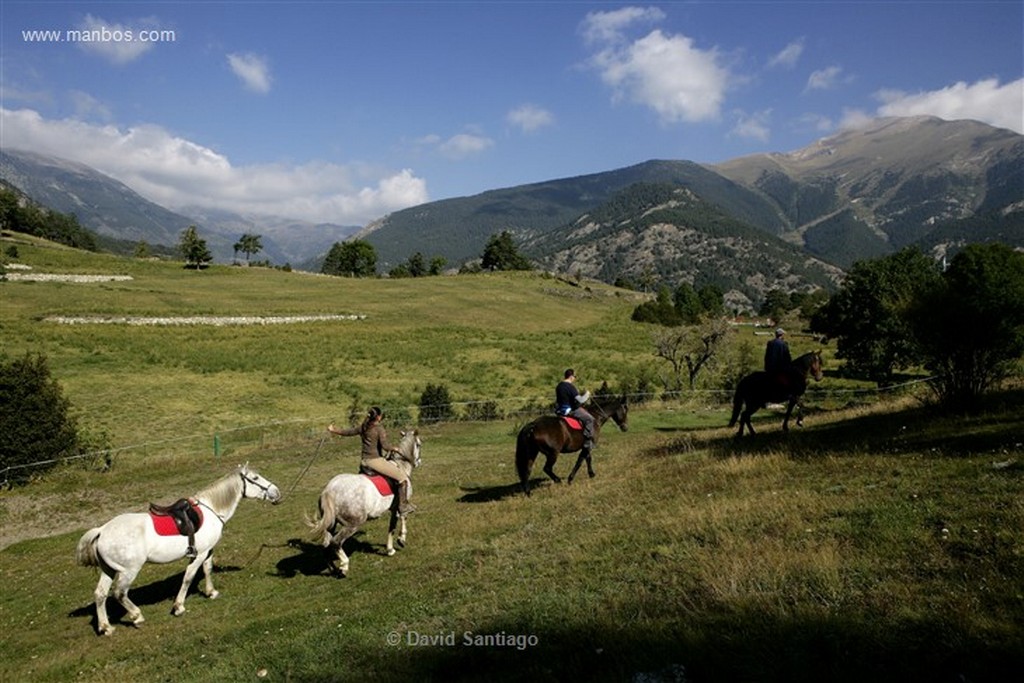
[815, 367]
[409, 447]
[255, 485]
[621, 413]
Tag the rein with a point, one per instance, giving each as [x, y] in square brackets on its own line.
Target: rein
[215, 513]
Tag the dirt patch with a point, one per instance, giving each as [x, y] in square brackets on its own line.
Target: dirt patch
[25, 517]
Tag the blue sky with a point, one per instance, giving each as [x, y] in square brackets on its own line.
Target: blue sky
[344, 111]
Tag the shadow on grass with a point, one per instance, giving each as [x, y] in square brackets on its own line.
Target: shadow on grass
[996, 428]
[489, 494]
[161, 591]
[314, 559]
[718, 643]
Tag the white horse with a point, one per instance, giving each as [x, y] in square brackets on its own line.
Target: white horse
[124, 544]
[349, 500]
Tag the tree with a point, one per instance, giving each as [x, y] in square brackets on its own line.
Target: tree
[357, 258]
[417, 265]
[970, 322]
[868, 316]
[690, 349]
[687, 303]
[660, 311]
[35, 421]
[437, 265]
[249, 244]
[776, 304]
[712, 300]
[500, 253]
[193, 248]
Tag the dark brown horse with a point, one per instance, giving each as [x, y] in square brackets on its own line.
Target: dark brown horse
[551, 435]
[760, 388]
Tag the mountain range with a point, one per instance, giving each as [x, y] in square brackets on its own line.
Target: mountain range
[789, 220]
[110, 208]
[859, 194]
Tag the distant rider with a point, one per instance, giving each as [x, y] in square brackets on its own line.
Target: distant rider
[777, 359]
[569, 401]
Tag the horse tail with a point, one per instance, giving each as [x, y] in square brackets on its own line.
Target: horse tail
[737, 404]
[86, 554]
[526, 452]
[322, 525]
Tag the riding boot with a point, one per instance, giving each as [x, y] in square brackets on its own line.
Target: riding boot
[404, 506]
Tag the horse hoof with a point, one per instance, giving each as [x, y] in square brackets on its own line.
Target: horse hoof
[214, 595]
[107, 631]
[391, 551]
[400, 542]
[178, 610]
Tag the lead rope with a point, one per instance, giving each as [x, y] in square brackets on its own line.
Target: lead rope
[295, 483]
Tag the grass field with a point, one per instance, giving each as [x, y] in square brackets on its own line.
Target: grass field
[881, 542]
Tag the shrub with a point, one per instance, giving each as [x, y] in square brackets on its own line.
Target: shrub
[35, 426]
[483, 411]
[435, 404]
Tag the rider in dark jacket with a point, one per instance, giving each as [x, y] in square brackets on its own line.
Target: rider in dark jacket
[777, 358]
[569, 401]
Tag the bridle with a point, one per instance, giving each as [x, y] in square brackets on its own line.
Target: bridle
[248, 480]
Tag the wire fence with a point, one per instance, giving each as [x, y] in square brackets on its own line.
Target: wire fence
[279, 433]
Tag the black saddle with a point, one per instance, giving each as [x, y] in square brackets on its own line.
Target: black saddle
[183, 511]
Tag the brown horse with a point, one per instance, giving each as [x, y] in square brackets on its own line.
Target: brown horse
[551, 435]
[759, 388]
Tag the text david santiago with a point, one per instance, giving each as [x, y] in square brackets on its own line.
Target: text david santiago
[470, 639]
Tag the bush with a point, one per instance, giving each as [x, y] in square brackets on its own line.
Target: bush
[483, 411]
[435, 404]
[35, 426]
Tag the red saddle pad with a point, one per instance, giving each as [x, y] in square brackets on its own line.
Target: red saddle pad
[164, 524]
[572, 422]
[382, 483]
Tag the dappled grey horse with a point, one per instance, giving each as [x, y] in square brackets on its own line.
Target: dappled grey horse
[349, 500]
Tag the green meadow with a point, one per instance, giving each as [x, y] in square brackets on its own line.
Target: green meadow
[883, 541]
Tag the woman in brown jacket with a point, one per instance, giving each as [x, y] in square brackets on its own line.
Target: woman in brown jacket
[375, 445]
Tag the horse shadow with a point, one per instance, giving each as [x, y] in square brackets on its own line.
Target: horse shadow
[314, 560]
[489, 494]
[153, 593]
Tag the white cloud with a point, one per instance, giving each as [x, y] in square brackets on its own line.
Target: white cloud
[117, 43]
[464, 145]
[824, 79]
[788, 56]
[252, 69]
[609, 27]
[986, 100]
[664, 72]
[753, 126]
[817, 122]
[176, 172]
[87, 106]
[854, 118]
[530, 117]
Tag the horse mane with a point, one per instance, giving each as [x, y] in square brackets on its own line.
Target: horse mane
[226, 491]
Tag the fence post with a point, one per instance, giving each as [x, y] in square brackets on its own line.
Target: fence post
[216, 445]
